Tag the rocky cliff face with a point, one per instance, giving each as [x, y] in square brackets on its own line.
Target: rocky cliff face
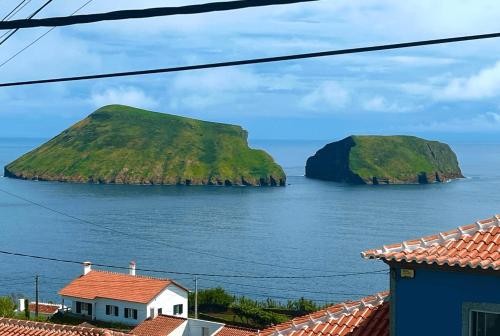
[123, 145]
[384, 160]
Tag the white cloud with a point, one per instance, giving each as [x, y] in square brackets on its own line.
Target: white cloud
[218, 80]
[485, 84]
[294, 88]
[203, 89]
[123, 95]
[329, 95]
[224, 87]
[421, 60]
[381, 104]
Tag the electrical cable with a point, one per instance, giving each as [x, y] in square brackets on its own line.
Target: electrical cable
[145, 13]
[12, 15]
[32, 15]
[283, 289]
[259, 60]
[68, 261]
[40, 37]
[13, 12]
[156, 241]
[269, 296]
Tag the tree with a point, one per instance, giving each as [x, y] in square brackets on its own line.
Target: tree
[7, 307]
[303, 305]
[249, 310]
[212, 300]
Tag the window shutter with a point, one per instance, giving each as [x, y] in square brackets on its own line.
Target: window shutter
[126, 312]
[78, 307]
[181, 309]
[89, 309]
[116, 311]
[108, 310]
[135, 314]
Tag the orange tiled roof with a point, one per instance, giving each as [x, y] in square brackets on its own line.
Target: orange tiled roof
[235, 331]
[44, 308]
[475, 245]
[13, 327]
[116, 286]
[162, 325]
[367, 317]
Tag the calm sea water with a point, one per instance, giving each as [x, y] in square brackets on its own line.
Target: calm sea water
[309, 227]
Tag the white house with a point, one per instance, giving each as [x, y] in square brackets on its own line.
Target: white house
[124, 298]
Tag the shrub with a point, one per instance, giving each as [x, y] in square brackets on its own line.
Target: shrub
[7, 307]
[212, 300]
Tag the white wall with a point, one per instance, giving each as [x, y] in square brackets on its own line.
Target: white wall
[180, 330]
[73, 305]
[100, 308]
[166, 300]
[194, 327]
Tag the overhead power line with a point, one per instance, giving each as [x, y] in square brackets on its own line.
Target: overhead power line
[66, 281]
[144, 13]
[29, 17]
[270, 296]
[12, 14]
[259, 60]
[283, 289]
[135, 236]
[40, 37]
[13, 11]
[69, 261]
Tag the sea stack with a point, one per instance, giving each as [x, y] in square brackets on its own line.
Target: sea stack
[384, 160]
[125, 145]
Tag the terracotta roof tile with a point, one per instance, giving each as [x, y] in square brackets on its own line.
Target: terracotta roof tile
[475, 245]
[235, 331]
[367, 317]
[13, 327]
[116, 286]
[44, 308]
[162, 325]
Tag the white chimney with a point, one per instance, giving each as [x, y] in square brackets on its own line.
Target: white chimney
[131, 268]
[21, 305]
[87, 267]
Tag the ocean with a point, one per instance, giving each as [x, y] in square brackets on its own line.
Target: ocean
[310, 232]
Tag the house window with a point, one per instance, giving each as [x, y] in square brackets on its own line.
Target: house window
[111, 310]
[178, 309]
[84, 308]
[160, 310]
[484, 324]
[130, 313]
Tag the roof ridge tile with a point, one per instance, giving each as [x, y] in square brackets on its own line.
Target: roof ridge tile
[443, 247]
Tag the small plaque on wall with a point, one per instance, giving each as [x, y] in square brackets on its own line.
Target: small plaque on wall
[407, 273]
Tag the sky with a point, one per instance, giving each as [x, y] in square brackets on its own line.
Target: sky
[446, 92]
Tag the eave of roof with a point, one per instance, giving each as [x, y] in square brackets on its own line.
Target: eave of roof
[366, 317]
[17, 327]
[235, 331]
[161, 325]
[475, 246]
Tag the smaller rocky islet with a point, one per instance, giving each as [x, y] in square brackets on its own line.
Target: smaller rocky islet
[384, 160]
